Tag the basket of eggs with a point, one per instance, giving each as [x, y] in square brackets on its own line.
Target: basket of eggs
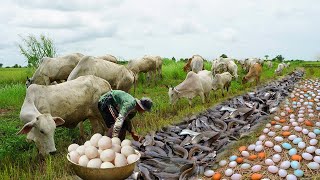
[103, 158]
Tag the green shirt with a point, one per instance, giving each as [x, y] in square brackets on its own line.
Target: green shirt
[123, 100]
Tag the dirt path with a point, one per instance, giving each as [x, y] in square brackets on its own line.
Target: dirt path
[288, 147]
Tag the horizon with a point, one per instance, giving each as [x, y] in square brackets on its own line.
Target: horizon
[179, 29]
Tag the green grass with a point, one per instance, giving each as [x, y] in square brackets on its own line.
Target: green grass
[19, 159]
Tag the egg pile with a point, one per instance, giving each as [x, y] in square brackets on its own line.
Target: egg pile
[103, 152]
[288, 146]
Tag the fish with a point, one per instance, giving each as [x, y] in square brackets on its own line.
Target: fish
[167, 176]
[180, 150]
[145, 173]
[227, 108]
[156, 149]
[188, 132]
[189, 170]
[186, 141]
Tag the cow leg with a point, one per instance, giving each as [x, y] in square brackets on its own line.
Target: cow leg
[222, 92]
[46, 80]
[81, 130]
[190, 102]
[202, 97]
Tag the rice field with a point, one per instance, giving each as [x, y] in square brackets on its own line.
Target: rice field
[19, 159]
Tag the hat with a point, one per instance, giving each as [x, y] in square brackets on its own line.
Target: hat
[145, 103]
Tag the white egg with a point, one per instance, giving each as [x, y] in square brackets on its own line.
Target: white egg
[285, 165]
[233, 164]
[282, 173]
[316, 159]
[258, 148]
[91, 152]
[317, 151]
[116, 140]
[222, 163]
[107, 155]
[292, 137]
[256, 168]
[245, 166]
[294, 124]
[292, 116]
[236, 177]
[107, 165]
[277, 148]
[104, 143]
[120, 160]
[87, 144]
[251, 147]
[116, 148]
[282, 113]
[313, 165]
[318, 123]
[265, 130]
[307, 156]
[298, 128]
[245, 153]
[312, 135]
[259, 143]
[126, 142]
[310, 149]
[285, 128]
[262, 137]
[127, 150]
[278, 138]
[276, 158]
[81, 149]
[83, 161]
[300, 119]
[94, 139]
[276, 118]
[73, 147]
[305, 131]
[132, 158]
[313, 142]
[271, 133]
[269, 162]
[277, 126]
[74, 156]
[228, 172]
[268, 144]
[268, 125]
[292, 120]
[94, 163]
[273, 169]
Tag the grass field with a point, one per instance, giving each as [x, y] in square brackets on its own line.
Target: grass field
[19, 159]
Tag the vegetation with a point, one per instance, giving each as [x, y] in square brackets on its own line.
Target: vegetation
[19, 159]
[223, 56]
[34, 50]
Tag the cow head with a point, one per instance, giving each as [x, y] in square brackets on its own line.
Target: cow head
[41, 131]
[244, 80]
[173, 95]
[29, 82]
[215, 82]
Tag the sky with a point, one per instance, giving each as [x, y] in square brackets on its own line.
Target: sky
[129, 29]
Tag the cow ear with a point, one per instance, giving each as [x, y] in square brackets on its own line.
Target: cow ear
[58, 120]
[26, 128]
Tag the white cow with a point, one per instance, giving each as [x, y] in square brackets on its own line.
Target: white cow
[193, 85]
[67, 104]
[280, 68]
[269, 64]
[117, 75]
[222, 81]
[195, 64]
[158, 60]
[147, 65]
[108, 57]
[232, 68]
[249, 62]
[54, 69]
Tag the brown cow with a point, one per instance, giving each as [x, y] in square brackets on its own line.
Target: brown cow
[253, 74]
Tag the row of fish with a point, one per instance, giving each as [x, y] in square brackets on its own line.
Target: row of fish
[187, 149]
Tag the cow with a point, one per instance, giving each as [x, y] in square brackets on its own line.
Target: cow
[269, 64]
[248, 62]
[66, 104]
[158, 60]
[232, 68]
[221, 65]
[195, 64]
[280, 68]
[147, 65]
[108, 57]
[193, 85]
[54, 69]
[253, 74]
[222, 81]
[117, 75]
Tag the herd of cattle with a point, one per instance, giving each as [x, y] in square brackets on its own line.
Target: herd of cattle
[64, 91]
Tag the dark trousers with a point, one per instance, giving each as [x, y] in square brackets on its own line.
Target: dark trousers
[103, 107]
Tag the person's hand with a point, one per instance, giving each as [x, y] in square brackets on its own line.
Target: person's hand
[135, 136]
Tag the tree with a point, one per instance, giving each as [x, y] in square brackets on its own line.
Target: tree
[173, 59]
[266, 56]
[1, 65]
[278, 58]
[34, 50]
[223, 56]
